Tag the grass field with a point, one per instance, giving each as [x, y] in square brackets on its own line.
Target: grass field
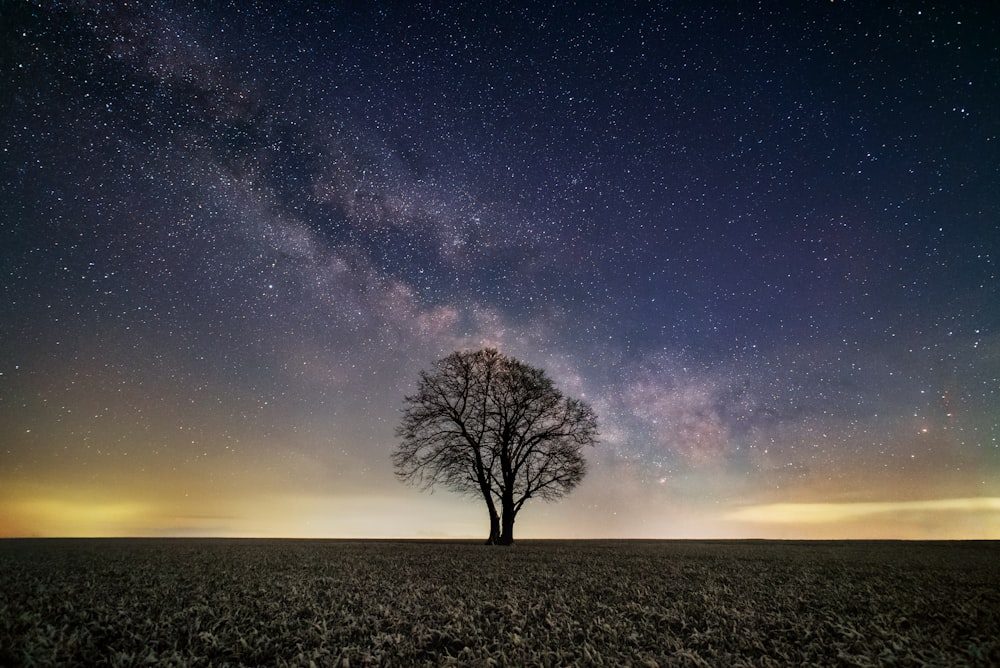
[337, 603]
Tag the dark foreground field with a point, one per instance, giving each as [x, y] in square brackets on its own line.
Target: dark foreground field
[326, 603]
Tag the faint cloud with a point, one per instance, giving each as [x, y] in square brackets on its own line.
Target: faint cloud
[827, 513]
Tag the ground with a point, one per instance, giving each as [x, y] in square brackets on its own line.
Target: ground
[339, 603]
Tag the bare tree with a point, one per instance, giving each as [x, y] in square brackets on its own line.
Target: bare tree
[486, 425]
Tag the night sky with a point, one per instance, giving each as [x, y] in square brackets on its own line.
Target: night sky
[762, 240]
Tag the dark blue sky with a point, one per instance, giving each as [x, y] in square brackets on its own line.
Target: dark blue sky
[761, 240]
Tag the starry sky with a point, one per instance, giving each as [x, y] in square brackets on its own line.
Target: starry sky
[761, 239]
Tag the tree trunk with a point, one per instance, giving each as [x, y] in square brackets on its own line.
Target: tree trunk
[494, 529]
[507, 527]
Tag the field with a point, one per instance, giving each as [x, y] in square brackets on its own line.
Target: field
[337, 603]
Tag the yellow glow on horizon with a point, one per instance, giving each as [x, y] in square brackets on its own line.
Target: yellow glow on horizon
[79, 514]
[75, 518]
[838, 513]
[61, 509]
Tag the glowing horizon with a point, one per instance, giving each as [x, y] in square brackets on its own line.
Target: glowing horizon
[410, 516]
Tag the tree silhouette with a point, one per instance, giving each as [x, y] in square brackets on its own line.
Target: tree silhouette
[487, 425]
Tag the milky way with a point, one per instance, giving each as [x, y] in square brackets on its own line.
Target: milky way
[762, 243]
